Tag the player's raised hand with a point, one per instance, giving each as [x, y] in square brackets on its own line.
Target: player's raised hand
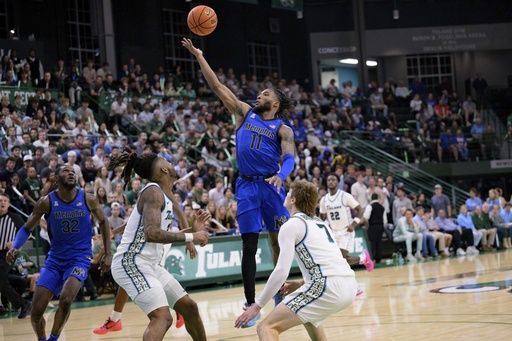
[187, 43]
[202, 216]
[276, 181]
[201, 238]
[11, 256]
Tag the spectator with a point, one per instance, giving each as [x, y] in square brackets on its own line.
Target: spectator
[489, 143]
[440, 201]
[465, 221]
[102, 180]
[473, 200]
[480, 86]
[358, 191]
[459, 235]
[31, 188]
[121, 197]
[377, 103]
[484, 226]
[133, 193]
[469, 109]
[502, 226]
[462, 145]
[429, 241]
[400, 201]
[493, 198]
[217, 193]
[406, 230]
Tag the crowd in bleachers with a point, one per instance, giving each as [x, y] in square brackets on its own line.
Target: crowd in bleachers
[184, 122]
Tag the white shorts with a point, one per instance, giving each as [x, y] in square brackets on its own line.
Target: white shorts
[316, 301]
[344, 239]
[149, 286]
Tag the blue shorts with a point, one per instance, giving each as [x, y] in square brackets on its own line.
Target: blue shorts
[258, 201]
[55, 272]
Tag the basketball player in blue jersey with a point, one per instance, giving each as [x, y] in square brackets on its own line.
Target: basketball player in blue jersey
[67, 211]
[262, 141]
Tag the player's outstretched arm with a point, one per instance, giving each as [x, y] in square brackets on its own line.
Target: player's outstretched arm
[152, 202]
[229, 99]
[288, 154]
[97, 212]
[41, 207]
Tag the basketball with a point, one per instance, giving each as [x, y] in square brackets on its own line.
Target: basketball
[202, 20]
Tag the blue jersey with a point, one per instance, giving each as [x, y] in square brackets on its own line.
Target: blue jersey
[69, 227]
[258, 149]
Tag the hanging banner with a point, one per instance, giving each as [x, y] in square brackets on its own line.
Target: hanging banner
[290, 5]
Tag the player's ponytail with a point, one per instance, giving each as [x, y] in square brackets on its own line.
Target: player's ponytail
[128, 159]
[285, 104]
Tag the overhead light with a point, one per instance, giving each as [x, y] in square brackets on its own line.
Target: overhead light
[12, 31]
[396, 14]
[351, 61]
[300, 15]
[371, 63]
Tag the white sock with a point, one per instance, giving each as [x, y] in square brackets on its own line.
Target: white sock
[115, 316]
[362, 257]
[447, 251]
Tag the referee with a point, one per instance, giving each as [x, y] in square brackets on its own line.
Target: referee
[9, 224]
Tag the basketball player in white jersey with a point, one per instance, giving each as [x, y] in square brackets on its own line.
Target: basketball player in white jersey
[336, 206]
[135, 264]
[328, 284]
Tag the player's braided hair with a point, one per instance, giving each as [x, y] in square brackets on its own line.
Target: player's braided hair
[142, 165]
[285, 103]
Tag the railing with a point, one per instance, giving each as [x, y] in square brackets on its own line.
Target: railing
[413, 178]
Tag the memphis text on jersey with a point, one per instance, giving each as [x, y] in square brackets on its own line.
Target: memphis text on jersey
[68, 215]
[260, 130]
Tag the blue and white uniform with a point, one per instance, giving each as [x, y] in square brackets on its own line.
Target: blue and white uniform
[135, 266]
[329, 283]
[70, 232]
[258, 152]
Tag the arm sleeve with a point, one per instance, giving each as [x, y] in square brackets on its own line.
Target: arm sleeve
[322, 206]
[291, 232]
[367, 212]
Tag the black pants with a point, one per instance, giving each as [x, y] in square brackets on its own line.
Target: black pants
[375, 237]
[467, 237]
[5, 288]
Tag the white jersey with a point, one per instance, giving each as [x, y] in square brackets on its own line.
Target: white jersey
[338, 209]
[317, 254]
[309, 240]
[133, 244]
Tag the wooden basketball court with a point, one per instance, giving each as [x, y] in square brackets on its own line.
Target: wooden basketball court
[457, 298]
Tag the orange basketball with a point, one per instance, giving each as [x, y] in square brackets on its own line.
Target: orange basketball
[202, 20]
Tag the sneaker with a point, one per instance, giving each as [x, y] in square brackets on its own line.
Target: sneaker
[410, 258]
[253, 321]
[25, 310]
[419, 256]
[460, 252]
[278, 298]
[472, 250]
[368, 263]
[444, 254]
[179, 320]
[109, 326]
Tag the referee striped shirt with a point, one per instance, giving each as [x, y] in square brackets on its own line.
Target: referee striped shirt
[10, 223]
